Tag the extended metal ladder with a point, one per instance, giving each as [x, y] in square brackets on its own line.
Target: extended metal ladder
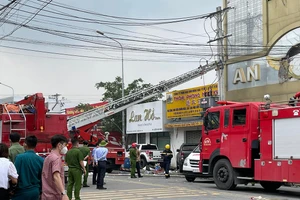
[11, 120]
[121, 104]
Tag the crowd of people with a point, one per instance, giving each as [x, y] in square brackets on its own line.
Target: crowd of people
[24, 175]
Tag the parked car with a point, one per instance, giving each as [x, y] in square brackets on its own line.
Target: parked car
[183, 152]
[150, 154]
[191, 165]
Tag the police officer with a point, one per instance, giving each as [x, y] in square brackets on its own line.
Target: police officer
[133, 159]
[167, 157]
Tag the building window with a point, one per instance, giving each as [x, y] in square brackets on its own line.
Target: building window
[142, 138]
[130, 138]
[160, 139]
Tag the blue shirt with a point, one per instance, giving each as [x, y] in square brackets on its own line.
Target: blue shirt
[100, 154]
[93, 153]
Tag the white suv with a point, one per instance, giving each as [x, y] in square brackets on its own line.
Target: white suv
[191, 165]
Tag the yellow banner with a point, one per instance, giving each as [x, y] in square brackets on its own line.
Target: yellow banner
[186, 124]
[186, 103]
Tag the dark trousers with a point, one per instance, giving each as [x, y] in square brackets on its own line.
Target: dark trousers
[4, 194]
[167, 167]
[95, 173]
[138, 168]
[101, 173]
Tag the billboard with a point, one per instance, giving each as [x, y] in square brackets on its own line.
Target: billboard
[145, 118]
[186, 103]
[74, 111]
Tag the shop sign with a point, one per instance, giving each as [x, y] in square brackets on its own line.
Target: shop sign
[145, 118]
[186, 103]
[185, 124]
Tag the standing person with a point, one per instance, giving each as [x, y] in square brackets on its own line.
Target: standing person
[167, 156]
[138, 160]
[133, 159]
[100, 158]
[15, 147]
[53, 185]
[85, 150]
[74, 160]
[29, 167]
[95, 165]
[7, 172]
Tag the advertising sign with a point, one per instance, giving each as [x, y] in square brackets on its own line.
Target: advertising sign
[186, 103]
[145, 118]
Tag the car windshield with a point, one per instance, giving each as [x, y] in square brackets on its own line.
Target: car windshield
[196, 150]
[188, 148]
[149, 147]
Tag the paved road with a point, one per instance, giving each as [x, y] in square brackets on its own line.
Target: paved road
[151, 187]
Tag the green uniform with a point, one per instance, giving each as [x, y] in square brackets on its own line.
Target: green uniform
[133, 157]
[29, 167]
[73, 158]
[14, 150]
[85, 152]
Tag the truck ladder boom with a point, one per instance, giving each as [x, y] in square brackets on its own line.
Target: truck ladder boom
[121, 104]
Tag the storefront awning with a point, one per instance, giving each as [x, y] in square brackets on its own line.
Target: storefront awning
[179, 124]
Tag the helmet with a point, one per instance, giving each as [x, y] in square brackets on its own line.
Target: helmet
[133, 145]
[167, 146]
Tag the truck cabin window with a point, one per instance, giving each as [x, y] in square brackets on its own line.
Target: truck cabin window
[239, 117]
[213, 120]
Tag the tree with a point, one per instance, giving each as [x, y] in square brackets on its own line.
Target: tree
[82, 107]
[113, 90]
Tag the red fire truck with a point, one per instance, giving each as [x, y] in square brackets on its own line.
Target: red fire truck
[31, 117]
[251, 142]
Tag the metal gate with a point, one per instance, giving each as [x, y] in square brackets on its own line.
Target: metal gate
[192, 136]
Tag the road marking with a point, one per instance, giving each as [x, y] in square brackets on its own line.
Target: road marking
[148, 193]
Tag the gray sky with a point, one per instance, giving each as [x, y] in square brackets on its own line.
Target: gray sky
[30, 72]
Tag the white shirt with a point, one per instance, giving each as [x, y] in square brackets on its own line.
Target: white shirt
[7, 169]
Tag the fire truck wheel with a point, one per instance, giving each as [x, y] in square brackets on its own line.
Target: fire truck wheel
[270, 186]
[223, 175]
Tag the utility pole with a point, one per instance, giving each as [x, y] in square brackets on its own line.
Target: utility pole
[220, 53]
[220, 48]
[55, 96]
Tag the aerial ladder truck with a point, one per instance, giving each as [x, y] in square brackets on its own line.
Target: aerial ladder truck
[31, 117]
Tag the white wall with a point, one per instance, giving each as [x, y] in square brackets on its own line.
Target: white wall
[177, 136]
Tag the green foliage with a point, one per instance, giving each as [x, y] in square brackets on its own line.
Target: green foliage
[113, 90]
[83, 107]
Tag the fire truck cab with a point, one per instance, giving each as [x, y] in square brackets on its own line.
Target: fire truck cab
[251, 142]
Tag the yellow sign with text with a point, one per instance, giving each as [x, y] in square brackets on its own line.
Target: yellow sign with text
[186, 103]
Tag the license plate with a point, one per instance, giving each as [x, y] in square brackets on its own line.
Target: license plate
[196, 170]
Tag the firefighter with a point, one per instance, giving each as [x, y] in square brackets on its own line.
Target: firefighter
[167, 157]
[133, 159]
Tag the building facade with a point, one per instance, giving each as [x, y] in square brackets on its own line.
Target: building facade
[147, 121]
[262, 53]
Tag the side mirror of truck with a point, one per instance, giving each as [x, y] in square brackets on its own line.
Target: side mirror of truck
[205, 123]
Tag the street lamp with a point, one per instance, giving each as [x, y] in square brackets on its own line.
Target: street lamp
[13, 96]
[123, 112]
